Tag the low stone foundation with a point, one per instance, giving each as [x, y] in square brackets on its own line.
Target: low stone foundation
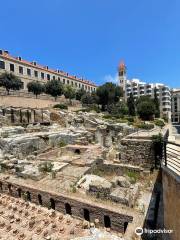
[66, 204]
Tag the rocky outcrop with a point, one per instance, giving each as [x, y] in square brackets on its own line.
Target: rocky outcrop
[9, 131]
[25, 144]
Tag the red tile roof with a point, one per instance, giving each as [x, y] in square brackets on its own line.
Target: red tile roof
[43, 68]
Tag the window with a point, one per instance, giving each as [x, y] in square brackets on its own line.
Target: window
[11, 67]
[36, 73]
[2, 65]
[20, 70]
[64, 81]
[59, 79]
[54, 78]
[67, 81]
[48, 77]
[42, 75]
[28, 72]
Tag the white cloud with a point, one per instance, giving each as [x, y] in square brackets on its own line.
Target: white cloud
[110, 78]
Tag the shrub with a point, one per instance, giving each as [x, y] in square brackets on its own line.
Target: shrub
[120, 120]
[95, 107]
[62, 143]
[165, 119]
[158, 148]
[145, 126]
[107, 116]
[45, 167]
[60, 106]
[133, 176]
[157, 138]
[159, 123]
[130, 119]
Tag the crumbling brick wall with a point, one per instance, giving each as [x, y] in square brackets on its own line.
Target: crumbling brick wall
[118, 220]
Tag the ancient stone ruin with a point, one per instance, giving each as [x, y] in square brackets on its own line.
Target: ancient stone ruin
[93, 174]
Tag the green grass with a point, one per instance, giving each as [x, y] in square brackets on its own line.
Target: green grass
[62, 144]
[133, 176]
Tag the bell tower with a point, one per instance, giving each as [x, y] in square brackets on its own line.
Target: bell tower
[122, 75]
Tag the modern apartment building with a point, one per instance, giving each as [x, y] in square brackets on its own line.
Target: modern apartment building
[32, 71]
[175, 106]
[138, 88]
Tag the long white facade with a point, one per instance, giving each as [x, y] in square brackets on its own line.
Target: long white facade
[32, 71]
[176, 106]
[139, 88]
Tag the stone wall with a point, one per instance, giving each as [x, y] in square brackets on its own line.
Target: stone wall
[25, 115]
[171, 199]
[138, 152]
[25, 100]
[96, 211]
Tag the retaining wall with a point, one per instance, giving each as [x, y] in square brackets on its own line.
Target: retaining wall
[171, 199]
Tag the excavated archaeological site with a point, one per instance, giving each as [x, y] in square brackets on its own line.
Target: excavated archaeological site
[72, 175]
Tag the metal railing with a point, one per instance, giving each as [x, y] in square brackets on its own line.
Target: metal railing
[171, 156]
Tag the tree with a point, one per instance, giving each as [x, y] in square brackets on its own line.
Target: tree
[10, 82]
[131, 105]
[54, 88]
[36, 88]
[95, 98]
[87, 99]
[108, 93]
[145, 108]
[69, 92]
[79, 94]
[156, 103]
[119, 108]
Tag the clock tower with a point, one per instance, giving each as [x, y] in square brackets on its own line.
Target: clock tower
[122, 75]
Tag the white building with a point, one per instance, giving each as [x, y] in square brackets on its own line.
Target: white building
[32, 71]
[175, 106]
[138, 88]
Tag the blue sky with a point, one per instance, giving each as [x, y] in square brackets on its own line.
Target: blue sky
[89, 37]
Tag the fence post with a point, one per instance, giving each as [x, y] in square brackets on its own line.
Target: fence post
[165, 153]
